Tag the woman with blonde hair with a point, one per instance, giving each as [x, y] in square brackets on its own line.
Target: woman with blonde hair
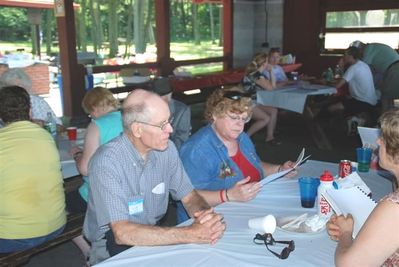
[255, 80]
[105, 125]
[377, 243]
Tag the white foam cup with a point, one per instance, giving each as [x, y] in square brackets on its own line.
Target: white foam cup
[266, 224]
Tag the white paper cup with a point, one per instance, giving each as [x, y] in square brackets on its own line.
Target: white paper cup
[266, 224]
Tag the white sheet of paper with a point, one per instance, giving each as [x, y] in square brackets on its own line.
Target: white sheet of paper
[280, 174]
[369, 136]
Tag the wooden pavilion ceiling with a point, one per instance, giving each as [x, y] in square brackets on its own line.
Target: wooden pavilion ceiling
[47, 4]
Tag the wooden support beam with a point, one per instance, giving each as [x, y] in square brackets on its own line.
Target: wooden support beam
[73, 85]
[162, 12]
[228, 34]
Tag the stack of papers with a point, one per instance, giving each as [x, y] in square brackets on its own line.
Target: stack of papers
[369, 136]
[351, 200]
[300, 160]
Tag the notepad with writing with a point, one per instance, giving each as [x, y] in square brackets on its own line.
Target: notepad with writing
[351, 200]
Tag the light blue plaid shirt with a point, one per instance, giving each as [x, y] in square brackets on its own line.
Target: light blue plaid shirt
[119, 175]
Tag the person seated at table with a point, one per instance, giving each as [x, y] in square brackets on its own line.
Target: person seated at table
[358, 76]
[254, 80]
[377, 243]
[131, 178]
[384, 61]
[276, 69]
[220, 157]
[362, 94]
[39, 106]
[105, 125]
[32, 209]
[181, 113]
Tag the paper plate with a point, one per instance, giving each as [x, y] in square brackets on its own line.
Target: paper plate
[301, 229]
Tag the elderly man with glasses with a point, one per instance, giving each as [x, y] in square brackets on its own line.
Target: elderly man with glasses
[131, 178]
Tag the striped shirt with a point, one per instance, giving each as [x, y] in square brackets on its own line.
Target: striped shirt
[119, 177]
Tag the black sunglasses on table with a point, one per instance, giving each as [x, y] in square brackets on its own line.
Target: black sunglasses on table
[236, 95]
[268, 239]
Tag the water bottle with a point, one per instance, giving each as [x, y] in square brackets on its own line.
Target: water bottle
[50, 125]
[326, 182]
[329, 75]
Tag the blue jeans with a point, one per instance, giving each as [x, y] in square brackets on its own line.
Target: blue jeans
[14, 245]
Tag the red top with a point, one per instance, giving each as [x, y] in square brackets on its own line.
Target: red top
[246, 167]
[326, 177]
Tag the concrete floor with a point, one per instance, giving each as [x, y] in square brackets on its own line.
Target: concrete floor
[294, 136]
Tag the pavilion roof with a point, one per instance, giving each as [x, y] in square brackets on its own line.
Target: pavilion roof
[48, 4]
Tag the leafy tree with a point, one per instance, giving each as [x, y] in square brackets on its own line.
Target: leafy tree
[14, 24]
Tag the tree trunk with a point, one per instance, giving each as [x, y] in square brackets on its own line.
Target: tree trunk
[139, 31]
[129, 28]
[94, 28]
[148, 27]
[221, 19]
[33, 38]
[183, 20]
[212, 23]
[197, 38]
[82, 25]
[48, 21]
[113, 28]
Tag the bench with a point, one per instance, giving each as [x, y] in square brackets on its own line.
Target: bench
[73, 228]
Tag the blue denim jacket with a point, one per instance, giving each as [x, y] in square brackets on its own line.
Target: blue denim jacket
[208, 164]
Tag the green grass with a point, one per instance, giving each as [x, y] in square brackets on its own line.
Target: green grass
[179, 51]
[7, 47]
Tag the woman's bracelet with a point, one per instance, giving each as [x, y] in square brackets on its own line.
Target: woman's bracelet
[221, 196]
[77, 155]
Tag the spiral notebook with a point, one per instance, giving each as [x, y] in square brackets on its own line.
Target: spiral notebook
[351, 200]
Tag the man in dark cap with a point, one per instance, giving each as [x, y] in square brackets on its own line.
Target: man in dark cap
[181, 113]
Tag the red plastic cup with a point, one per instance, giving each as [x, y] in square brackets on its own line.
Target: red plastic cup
[72, 133]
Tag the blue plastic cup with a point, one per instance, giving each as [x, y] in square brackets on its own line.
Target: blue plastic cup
[308, 189]
[363, 158]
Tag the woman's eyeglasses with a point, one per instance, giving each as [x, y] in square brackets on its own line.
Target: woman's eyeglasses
[235, 95]
[268, 240]
[161, 126]
[238, 118]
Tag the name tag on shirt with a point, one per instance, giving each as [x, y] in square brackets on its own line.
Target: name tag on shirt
[136, 206]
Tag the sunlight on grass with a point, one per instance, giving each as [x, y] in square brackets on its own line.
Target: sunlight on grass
[178, 50]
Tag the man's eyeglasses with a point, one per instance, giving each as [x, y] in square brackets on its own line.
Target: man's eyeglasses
[161, 126]
[238, 118]
[236, 95]
[268, 239]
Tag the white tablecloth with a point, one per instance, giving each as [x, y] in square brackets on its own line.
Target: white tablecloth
[236, 248]
[292, 97]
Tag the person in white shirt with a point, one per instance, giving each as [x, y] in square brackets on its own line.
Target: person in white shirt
[363, 96]
[278, 71]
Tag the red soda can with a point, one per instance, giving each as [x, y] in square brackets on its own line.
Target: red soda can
[345, 168]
